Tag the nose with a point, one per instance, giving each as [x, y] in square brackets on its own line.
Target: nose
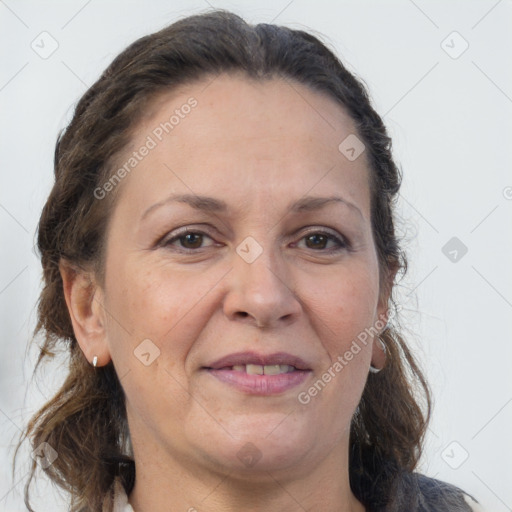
[261, 293]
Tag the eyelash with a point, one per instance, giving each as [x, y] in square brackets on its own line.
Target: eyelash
[342, 243]
[182, 234]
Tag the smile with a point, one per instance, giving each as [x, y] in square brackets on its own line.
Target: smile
[258, 374]
[268, 369]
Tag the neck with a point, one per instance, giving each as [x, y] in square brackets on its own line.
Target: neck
[182, 485]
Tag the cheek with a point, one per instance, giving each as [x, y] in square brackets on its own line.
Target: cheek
[151, 302]
[342, 310]
[344, 303]
[156, 302]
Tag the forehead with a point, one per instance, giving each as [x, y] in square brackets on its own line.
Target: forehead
[229, 131]
[235, 104]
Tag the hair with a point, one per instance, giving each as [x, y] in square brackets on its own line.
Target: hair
[85, 422]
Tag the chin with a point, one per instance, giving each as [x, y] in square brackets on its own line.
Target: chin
[259, 444]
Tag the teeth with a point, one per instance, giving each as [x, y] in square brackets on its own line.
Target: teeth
[254, 369]
[273, 369]
[286, 368]
[268, 369]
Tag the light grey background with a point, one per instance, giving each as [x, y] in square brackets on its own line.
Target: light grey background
[449, 114]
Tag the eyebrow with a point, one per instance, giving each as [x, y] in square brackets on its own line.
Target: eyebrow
[316, 203]
[203, 203]
[212, 205]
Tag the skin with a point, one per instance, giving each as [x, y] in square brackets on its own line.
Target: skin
[259, 147]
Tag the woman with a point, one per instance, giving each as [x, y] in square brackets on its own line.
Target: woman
[219, 258]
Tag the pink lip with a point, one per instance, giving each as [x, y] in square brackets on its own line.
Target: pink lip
[262, 385]
[240, 358]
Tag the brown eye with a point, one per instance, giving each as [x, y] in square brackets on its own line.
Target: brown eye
[191, 240]
[324, 241]
[316, 241]
[188, 241]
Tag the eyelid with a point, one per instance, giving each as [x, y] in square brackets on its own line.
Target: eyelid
[177, 233]
[344, 242]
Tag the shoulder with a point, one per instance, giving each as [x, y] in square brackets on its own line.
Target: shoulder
[424, 494]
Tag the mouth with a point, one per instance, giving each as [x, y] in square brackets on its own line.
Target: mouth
[267, 369]
[258, 374]
[251, 362]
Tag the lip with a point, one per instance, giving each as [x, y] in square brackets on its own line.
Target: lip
[241, 358]
[261, 385]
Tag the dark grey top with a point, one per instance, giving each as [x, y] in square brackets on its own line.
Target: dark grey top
[419, 493]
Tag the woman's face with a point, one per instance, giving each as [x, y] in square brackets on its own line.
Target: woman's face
[240, 267]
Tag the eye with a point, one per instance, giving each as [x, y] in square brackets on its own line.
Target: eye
[320, 240]
[316, 241]
[188, 240]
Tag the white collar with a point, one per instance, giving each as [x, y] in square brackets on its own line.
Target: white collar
[121, 503]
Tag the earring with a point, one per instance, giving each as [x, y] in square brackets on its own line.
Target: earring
[384, 349]
[95, 361]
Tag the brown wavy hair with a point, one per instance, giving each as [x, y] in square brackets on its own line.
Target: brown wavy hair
[85, 422]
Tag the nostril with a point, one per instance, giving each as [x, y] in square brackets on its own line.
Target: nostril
[243, 314]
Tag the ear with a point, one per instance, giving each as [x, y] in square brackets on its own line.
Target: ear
[84, 299]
